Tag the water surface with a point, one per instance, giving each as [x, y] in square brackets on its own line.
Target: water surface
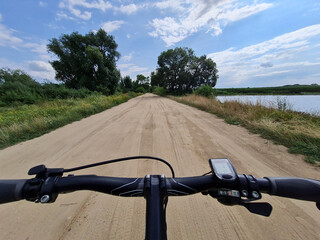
[301, 103]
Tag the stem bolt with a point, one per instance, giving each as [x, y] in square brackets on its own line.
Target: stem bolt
[45, 199]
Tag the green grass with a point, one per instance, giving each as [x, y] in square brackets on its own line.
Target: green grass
[25, 122]
[299, 132]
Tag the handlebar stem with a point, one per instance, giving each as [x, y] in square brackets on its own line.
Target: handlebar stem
[156, 197]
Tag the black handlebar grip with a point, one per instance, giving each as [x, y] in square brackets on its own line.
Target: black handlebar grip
[298, 188]
[11, 190]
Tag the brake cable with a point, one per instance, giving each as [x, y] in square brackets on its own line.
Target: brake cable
[120, 160]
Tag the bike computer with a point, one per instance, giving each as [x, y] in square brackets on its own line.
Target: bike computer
[223, 169]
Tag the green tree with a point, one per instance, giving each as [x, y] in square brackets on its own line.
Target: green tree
[87, 61]
[180, 71]
[205, 72]
[126, 84]
[17, 86]
[142, 82]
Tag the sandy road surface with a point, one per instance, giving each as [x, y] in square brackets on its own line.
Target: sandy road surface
[184, 136]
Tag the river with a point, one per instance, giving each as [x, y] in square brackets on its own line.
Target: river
[301, 103]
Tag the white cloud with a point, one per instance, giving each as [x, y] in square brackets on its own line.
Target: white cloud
[127, 58]
[130, 69]
[112, 26]
[40, 66]
[41, 49]
[128, 9]
[292, 40]
[168, 30]
[176, 5]
[73, 5]
[62, 15]
[279, 56]
[7, 38]
[82, 15]
[5, 63]
[236, 14]
[43, 4]
[272, 73]
[40, 70]
[194, 16]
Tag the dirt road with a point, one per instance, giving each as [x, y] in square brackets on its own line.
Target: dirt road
[187, 138]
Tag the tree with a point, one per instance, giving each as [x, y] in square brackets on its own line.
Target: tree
[126, 84]
[180, 71]
[205, 72]
[86, 61]
[142, 82]
[17, 86]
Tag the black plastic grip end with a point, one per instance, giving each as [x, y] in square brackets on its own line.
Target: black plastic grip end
[297, 188]
[11, 190]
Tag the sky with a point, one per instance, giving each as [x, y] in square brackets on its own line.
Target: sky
[256, 43]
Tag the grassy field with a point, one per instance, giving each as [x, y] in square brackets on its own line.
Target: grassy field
[284, 90]
[24, 122]
[298, 131]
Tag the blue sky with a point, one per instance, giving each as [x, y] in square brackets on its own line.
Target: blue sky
[254, 43]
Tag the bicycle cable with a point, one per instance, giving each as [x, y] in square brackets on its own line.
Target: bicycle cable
[120, 160]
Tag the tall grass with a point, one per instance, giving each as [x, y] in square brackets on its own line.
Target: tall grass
[28, 121]
[298, 131]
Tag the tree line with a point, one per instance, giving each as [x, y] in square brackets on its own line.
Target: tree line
[87, 63]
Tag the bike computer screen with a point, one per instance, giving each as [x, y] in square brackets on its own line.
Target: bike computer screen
[223, 169]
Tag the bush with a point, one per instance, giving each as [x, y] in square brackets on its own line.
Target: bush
[205, 91]
[140, 90]
[17, 86]
[160, 91]
[53, 91]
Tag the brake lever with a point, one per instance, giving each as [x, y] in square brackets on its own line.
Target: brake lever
[233, 197]
[261, 208]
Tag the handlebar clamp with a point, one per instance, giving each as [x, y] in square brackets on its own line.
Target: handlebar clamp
[249, 187]
[41, 188]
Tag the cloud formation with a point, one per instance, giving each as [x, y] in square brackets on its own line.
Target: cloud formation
[127, 58]
[40, 66]
[73, 7]
[281, 55]
[128, 9]
[193, 16]
[130, 69]
[7, 38]
[41, 70]
[112, 26]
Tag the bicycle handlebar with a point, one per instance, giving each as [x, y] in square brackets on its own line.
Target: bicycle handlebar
[14, 190]
[227, 187]
[11, 190]
[297, 188]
